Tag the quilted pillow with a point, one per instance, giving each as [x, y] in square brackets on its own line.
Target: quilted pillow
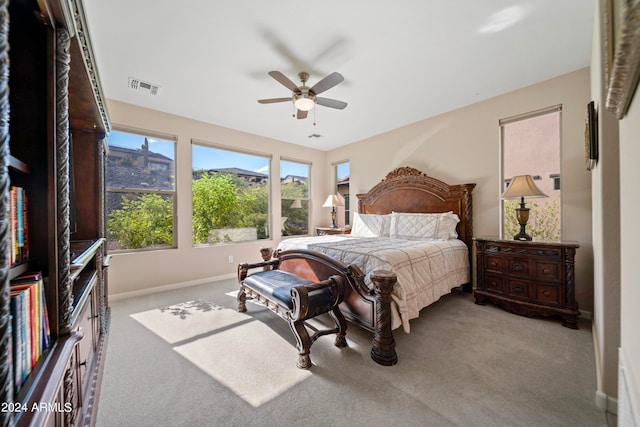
[370, 225]
[415, 226]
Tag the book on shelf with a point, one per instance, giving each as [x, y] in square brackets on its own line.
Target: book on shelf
[30, 324]
[19, 224]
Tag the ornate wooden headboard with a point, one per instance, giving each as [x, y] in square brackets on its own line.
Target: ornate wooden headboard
[406, 189]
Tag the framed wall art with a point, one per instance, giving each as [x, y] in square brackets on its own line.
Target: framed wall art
[622, 56]
[591, 136]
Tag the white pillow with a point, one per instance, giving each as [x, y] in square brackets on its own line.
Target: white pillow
[449, 221]
[370, 225]
[415, 226]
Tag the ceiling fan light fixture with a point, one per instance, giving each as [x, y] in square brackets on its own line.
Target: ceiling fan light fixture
[304, 102]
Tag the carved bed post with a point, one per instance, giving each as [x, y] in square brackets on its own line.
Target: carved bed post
[384, 346]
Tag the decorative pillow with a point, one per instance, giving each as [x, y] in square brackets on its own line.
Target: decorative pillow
[370, 225]
[448, 222]
[415, 226]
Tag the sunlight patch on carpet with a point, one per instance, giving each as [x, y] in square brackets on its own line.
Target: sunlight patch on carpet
[224, 344]
[251, 360]
[189, 319]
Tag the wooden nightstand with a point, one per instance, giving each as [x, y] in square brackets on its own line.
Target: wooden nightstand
[528, 278]
[323, 231]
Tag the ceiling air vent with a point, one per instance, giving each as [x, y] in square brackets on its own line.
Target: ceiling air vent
[314, 135]
[139, 85]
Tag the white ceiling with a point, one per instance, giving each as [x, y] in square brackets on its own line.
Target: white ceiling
[403, 61]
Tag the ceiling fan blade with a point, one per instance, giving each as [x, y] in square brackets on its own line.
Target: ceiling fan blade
[272, 100]
[284, 80]
[331, 103]
[302, 114]
[327, 83]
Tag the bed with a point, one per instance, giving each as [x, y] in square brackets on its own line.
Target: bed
[413, 225]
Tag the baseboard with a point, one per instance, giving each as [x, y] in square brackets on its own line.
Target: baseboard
[603, 401]
[628, 393]
[606, 403]
[584, 314]
[170, 287]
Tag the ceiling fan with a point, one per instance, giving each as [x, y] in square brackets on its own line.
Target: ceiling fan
[304, 98]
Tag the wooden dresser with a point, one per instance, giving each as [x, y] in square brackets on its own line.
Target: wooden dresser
[528, 278]
[323, 231]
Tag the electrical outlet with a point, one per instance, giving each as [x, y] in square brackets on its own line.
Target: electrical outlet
[230, 259]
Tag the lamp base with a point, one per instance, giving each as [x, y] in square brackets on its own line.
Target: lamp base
[522, 214]
[522, 235]
[334, 224]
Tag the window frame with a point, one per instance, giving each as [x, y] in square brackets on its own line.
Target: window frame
[347, 199]
[307, 198]
[269, 160]
[503, 181]
[172, 193]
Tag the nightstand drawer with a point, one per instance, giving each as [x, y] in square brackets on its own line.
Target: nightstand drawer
[494, 284]
[494, 264]
[547, 294]
[518, 289]
[518, 267]
[548, 272]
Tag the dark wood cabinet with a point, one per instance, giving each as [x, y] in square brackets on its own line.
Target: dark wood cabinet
[528, 278]
[53, 125]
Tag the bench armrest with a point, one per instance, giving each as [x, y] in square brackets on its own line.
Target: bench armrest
[316, 298]
[244, 267]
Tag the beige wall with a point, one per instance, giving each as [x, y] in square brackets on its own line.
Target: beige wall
[606, 237]
[630, 249]
[462, 146]
[135, 272]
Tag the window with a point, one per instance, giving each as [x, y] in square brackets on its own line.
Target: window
[294, 196]
[230, 196]
[342, 187]
[140, 179]
[531, 146]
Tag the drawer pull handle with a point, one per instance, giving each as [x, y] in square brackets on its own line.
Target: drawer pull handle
[494, 283]
[546, 293]
[545, 271]
[518, 289]
[517, 266]
[493, 264]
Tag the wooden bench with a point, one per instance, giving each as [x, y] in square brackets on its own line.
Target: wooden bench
[296, 300]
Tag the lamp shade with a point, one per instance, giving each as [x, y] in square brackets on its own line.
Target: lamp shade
[522, 186]
[333, 200]
[297, 204]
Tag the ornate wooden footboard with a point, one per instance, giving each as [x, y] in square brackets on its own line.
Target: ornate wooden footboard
[369, 308]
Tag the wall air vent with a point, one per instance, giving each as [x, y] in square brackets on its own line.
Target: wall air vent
[141, 86]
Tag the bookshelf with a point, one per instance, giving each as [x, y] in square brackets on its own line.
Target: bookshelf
[53, 125]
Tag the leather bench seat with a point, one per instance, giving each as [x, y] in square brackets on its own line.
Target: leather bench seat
[276, 285]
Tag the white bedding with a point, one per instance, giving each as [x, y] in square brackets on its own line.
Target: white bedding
[426, 269]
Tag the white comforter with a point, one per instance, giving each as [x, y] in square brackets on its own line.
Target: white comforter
[426, 269]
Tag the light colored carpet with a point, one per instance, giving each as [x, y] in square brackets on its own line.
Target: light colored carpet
[186, 358]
